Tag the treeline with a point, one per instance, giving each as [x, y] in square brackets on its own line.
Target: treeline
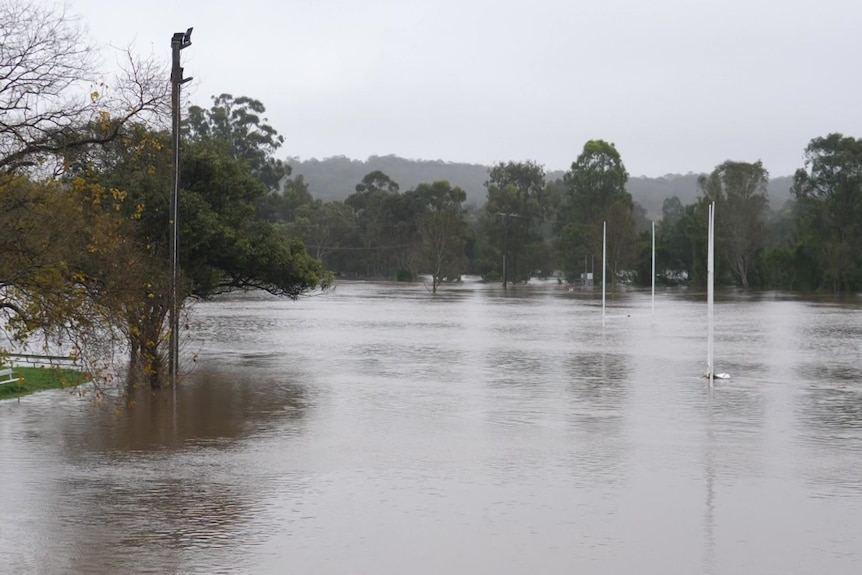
[531, 224]
[335, 178]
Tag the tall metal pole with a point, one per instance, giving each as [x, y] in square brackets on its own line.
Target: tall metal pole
[179, 41]
[710, 291]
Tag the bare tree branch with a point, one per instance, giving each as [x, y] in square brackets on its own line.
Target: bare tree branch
[50, 98]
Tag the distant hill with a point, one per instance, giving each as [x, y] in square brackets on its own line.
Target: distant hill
[335, 178]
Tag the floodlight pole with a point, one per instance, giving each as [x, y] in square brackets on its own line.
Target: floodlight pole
[179, 41]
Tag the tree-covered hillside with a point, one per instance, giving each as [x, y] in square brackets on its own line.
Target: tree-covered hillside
[335, 178]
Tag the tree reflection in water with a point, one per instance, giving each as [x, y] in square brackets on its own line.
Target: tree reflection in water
[156, 479]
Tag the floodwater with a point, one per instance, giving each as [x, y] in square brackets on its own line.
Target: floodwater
[378, 429]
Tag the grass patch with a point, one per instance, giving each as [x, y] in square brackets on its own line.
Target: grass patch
[33, 379]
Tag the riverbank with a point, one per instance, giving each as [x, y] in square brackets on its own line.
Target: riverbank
[33, 379]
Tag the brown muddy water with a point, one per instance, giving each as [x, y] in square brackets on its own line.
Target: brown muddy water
[377, 429]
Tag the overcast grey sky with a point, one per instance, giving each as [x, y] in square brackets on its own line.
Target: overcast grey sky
[677, 85]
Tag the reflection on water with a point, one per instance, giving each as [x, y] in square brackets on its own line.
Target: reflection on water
[152, 479]
[379, 429]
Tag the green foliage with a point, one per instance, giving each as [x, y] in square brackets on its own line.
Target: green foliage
[226, 174]
[238, 123]
[739, 192]
[284, 205]
[335, 178]
[828, 191]
[375, 183]
[596, 193]
[809, 242]
[442, 230]
[515, 209]
[323, 227]
[375, 205]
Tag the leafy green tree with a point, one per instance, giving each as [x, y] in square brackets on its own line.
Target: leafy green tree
[828, 191]
[223, 245]
[283, 206]
[323, 227]
[239, 122]
[515, 210]
[595, 193]
[441, 230]
[226, 246]
[741, 204]
[374, 203]
[377, 182]
[778, 267]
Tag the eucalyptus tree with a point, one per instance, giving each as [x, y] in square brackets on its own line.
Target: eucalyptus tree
[239, 122]
[442, 231]
[828, 190]
[516, 207]
[324, 228]
[741, 203]
[374, 204]
[595, 193]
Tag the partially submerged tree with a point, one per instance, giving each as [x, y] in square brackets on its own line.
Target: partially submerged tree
[442, 231]
[373, 204]
[739, 192]
[57, 237]
[53, 113]
[516, 207]
[84, 188]
[223, 245]
[595, 193]
[828, 191]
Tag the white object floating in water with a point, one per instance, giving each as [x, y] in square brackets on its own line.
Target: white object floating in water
[717, 375]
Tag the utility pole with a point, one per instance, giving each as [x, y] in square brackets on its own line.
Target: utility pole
[505, 247]
[179, 41]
